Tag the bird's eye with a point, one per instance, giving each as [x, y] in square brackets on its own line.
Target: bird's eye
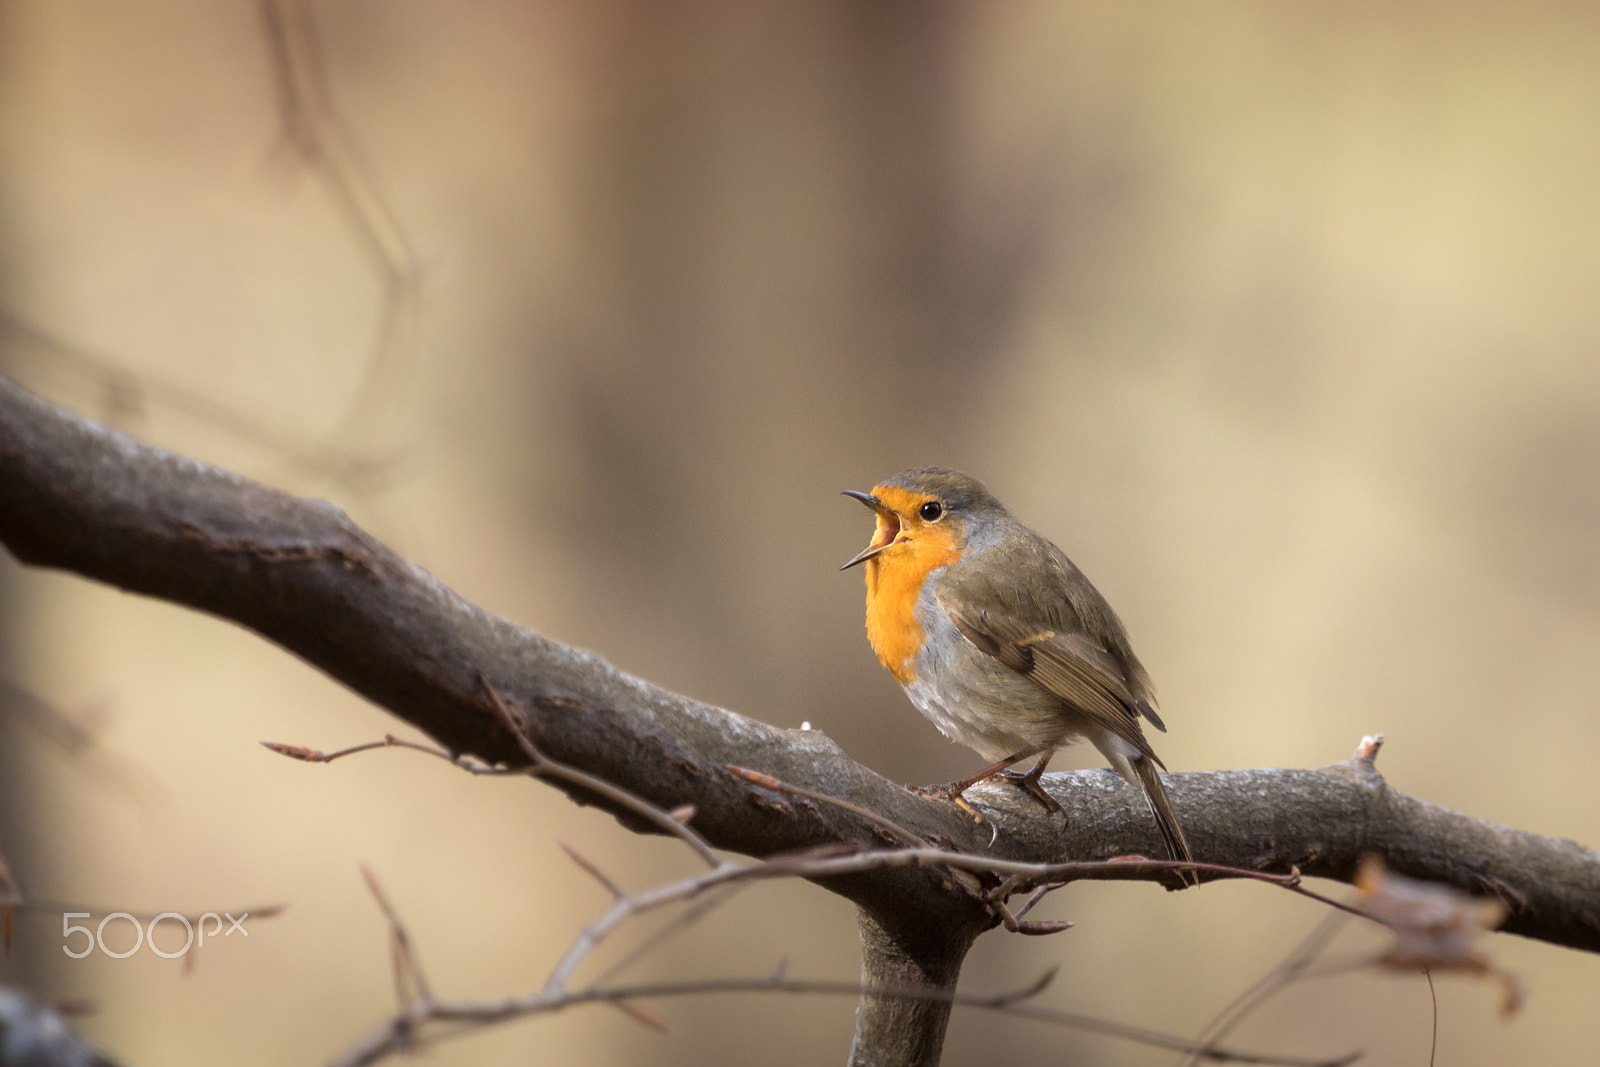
[931, 510]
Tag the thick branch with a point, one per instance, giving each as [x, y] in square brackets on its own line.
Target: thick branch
[894, 1031]
[88, 500]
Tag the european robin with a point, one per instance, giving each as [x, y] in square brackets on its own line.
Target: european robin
[1000, 640]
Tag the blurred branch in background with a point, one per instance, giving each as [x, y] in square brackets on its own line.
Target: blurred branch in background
[36, 1034]
[126, 394]
[75, 737]
[312, 135]
[316, 134]
[105, 506]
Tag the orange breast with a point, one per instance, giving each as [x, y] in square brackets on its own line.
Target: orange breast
[894, 581]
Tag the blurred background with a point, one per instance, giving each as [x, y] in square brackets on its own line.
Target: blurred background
[1279, 318]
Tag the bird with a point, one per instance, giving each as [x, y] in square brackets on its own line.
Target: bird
[999, 639]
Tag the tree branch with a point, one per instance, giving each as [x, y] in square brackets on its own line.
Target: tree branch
[897, 1030]
[92, 501]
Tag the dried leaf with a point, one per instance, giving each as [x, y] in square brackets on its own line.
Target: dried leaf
[1435, 927]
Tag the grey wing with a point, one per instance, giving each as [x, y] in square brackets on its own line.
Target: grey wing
[1070, 665]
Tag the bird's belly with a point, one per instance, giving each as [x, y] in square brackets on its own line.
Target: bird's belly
[973, 698]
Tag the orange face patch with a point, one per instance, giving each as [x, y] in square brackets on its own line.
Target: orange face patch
[895, 576]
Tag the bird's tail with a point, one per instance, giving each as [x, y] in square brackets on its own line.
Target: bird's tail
[1161, 808]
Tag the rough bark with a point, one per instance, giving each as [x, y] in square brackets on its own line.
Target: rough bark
[78, 497]
[895, 1031]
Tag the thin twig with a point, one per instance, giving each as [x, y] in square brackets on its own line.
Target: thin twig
[815, 864]
[1018, 873]
[312, 755]
[712, 887]
[360, 474]
[777, 785]
[1037, 895]
[266, 911]
[542, 766]
[313, 126]
[387, 1039]
[1268, 984]
[1433, 997]
[411, 984]
[78, 741]
[715, 885]
[708, 903]
[1015, 924]
[590, 869]
[724, 878]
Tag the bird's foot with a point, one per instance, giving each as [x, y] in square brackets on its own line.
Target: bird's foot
[951, 791]
[1028, 782]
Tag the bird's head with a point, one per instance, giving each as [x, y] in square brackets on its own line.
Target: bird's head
[924, 513]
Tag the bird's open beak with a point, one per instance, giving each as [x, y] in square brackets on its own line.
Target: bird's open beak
[884, 536]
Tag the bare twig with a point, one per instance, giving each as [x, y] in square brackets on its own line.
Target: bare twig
[1037, 895]
[1433, 1000]
[410, 984]
[708, 903]
[543, 766]
[673, 822]
[592, 871]
[312, 755]
[314, 128]
[1015, 924]
[316, 132]
[13, 902]
[76, 739]
[709, 889]
[396, 1034]
[1292, 967]
[777, 785]
[129, 390]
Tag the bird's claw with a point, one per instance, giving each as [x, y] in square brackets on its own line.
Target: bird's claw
[951, 791]
[1028, 782]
